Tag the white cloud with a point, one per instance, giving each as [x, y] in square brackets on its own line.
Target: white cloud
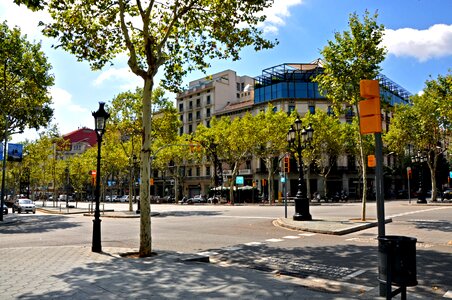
[122, 76]
[68, 115]
[277, 13]
[423, 45]
[24, 18]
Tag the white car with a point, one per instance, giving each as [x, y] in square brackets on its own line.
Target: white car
[24, 205]
[124, 198]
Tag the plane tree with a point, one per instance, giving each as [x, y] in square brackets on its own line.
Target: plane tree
[354, 55]
[329, 140]
[173, 36]
[271, 141]
[425, 124]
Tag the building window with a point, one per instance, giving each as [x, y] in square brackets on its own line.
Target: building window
[207, 170]
[238, 86]
[311, 109]
[181, 118]
[181, 130]
[198, 115]
[275, 109]
[208, 112]
[349, 114]
[248, 164]
[198, 102]
[181, 107]
[76, 147]
[190, 105]
[190, 129]
[330, 111]
[189, 172]
[208, 123]
[190, 117]
[198, 171]
[208, 99]
[237, 95]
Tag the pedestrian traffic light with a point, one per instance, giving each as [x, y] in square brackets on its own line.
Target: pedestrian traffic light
[286, 164]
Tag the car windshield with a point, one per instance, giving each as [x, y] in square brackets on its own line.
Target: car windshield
[25, 201]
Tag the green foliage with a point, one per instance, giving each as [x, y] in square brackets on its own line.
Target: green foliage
[25, 80]
[353, 56]
[179, 35]
[425, 124]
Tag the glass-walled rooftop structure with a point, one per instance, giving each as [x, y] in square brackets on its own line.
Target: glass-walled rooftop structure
[294, 81]
[288, 81]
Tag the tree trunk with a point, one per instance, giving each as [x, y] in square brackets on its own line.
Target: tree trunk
[269, 165]
[145, 187]
[432, 168]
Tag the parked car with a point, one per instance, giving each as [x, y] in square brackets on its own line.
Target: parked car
[112, 198]
[63, 197]
[194, 199]
[447, 194]
[124, 198]
[4, 209]
[24, 205]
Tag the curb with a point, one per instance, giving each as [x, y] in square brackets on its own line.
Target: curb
[315, 226]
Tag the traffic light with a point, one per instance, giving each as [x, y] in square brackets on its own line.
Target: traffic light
[264, 182]
[369, 109]
[286, 164]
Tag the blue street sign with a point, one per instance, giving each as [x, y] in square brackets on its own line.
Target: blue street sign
[283, 179]
[239, 180]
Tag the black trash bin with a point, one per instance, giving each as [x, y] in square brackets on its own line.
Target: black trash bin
[397, 260]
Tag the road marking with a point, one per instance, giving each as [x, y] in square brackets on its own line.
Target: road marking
[254, 244]
[291, 237]
[306, 234]
[350, 276]
[244, 217]
[274, 240]
[207, 253]
[233, 248]
[448, 294]
[417, 211]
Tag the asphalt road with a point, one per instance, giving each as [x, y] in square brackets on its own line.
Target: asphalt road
[246, 236]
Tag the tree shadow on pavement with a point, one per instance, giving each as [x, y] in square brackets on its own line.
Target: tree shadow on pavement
[356, 264]
[35, 224]
[165, 277]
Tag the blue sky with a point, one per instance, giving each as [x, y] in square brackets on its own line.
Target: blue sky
[418, 38]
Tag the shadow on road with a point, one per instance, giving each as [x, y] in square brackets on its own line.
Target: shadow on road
[188, 213]
[35, 224]
[357, 264]
[433, 225]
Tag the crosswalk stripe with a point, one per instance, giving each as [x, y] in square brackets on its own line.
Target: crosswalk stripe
[274, 240]
[306, 234]
[291, 237]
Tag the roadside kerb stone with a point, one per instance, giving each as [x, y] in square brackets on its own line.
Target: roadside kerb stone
[328, 226]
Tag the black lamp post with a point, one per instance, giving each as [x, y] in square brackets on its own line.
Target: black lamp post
[300, 137]
[100, 118]
[420, 159]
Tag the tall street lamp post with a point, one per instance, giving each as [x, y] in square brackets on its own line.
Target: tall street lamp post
[420, 159]
[100, 118]
[300, 137]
